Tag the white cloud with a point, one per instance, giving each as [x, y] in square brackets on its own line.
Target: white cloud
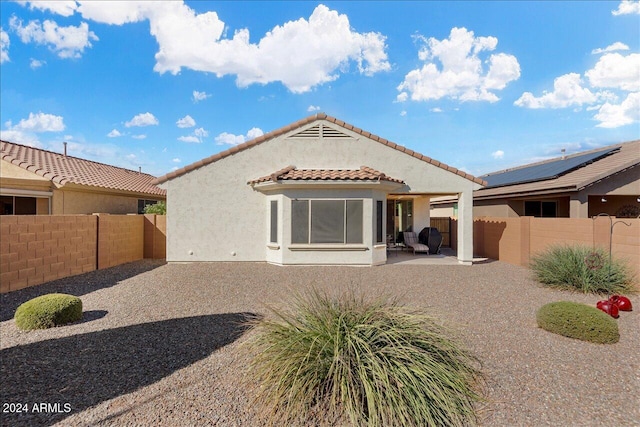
[461, 74]
[4, 46]
[142, 119]
[186, 122]
[231, 139]
[614, 70]
[114, 133]
[403, 113]
[140, 136]
[60, 7]
[313, 108]
[499, 154]
[36, 63]
[300, 54]
[436, 110]
[20, 137]
[201, 133]
[567, 91]
[200, 96]
[176, 160]
[627, 7]
[40, 122]
[67, 42]
[613, 116]
[190, 138]
[611, 48]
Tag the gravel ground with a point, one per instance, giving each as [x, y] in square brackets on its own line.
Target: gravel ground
[162, 344]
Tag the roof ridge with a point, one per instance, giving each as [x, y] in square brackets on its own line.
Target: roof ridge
[309, 119]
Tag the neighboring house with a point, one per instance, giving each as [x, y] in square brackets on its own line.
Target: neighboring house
[40, 182]
[319, 191]
[603, 180]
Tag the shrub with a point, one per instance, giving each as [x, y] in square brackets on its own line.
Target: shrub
[47, 311]
[159, 208]
[578, 321]
[374, 363]
[581, 268]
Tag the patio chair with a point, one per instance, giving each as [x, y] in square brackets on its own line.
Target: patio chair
[411, 241]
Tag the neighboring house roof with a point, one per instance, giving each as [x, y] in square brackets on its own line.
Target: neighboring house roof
[290, 173]
[571, 173]
[63, 169]
[301, 123]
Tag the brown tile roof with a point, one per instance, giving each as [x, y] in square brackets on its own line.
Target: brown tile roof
[290, 173]
[628, 156]
[300, 123]
[63, 169]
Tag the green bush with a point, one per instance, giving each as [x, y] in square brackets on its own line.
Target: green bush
[159, 208]
[47, 311]
[374, 363]
[583, 269]
[578, 321]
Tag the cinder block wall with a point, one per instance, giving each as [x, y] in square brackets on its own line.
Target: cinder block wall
[38, 249]
[120, 239]
[155, 236]
[516, 240]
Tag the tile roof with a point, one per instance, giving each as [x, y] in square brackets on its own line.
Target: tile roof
[303, 122]
[625, 156]
[290, 173]
[63, 169]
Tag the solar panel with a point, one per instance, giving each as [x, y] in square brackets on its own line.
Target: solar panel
[544, 171]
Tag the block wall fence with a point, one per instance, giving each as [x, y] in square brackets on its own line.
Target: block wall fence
[38, 249]
[516, 240]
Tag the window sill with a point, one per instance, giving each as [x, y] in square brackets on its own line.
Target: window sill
[273, 246]
[327, 247]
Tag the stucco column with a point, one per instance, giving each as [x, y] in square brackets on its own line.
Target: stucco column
[579, 206]
[421, 213]
[465, 227]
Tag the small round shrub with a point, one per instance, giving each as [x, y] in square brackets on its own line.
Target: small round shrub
[47, 311]
[578, 321]
[371, 363]
[583, 269]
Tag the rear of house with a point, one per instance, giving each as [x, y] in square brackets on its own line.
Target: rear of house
[319, 191]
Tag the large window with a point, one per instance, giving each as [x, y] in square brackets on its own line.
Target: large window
[540, 209]
[144, 203]
[326, 221]
[18, 205]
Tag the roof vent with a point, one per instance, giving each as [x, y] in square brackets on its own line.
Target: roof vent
[320, 131]
[312, 132]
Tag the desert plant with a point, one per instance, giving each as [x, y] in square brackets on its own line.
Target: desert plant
[578, 321]
[583, 269]
[47, 311]
[371, 362]
[159, 208]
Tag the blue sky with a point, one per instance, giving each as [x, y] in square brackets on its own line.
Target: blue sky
[481, 86]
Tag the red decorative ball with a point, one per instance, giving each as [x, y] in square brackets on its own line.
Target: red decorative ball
[608, 307]
[623, 303]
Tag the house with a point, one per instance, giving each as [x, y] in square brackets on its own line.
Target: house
[581, 185]
[41, 182]
[318, 191]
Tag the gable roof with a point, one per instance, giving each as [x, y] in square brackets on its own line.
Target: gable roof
[290, 173]
[299, 124]
[585, 168]
[62, 169]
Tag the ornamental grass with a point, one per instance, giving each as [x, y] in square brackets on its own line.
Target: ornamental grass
[368, 363]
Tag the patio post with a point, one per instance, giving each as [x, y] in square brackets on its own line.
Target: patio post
[465, 227]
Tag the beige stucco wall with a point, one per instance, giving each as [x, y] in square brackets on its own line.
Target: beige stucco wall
[214, 215]
[79, 202]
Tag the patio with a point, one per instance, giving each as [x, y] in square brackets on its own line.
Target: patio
[161, 344]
